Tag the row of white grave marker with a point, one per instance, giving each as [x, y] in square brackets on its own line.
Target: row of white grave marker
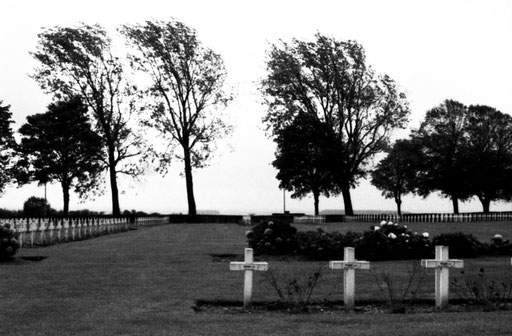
[442, 263]
[43, 231]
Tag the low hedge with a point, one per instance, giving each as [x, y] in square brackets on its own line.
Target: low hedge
[387, 241]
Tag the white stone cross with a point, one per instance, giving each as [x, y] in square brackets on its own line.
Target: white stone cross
[442, 264]
[349, 265]
[248, 265]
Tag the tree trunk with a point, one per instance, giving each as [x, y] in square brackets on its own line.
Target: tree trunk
[316, 196]
[486, 204]
[65, 193]
[347, 200]
[116, 211]
[190, 183]
[398, 207]
[455, 202]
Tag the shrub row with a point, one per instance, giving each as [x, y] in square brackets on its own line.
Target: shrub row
[388, 241]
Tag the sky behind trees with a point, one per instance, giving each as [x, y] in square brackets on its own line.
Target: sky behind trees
[435, 50]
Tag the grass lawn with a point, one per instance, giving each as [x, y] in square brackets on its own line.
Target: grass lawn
[146, 282]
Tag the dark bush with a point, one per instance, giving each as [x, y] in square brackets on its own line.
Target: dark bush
[325, 245]
[273, 238]
[499, 246]
[387, 241]
[37, 207]
[9, 244]
[391, 241]
[461, 245]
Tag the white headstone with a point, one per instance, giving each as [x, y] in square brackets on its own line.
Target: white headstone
[442, 265]
[248, 265]
[349, 265]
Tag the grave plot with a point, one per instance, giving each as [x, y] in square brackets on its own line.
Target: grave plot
[349, 266]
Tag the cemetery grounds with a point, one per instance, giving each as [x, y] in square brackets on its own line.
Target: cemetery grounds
[148, 282]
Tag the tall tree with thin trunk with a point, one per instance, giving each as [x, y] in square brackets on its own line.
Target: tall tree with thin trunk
[79, 61]
[330, 80]
[7, 147]
[396, 174]
[187, 81]
[60, 145]
[304, 150]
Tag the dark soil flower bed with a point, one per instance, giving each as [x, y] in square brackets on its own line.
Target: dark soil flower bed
[337, 307]
[22, 260]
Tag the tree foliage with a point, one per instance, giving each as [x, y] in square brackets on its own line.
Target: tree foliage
[304, 151]
[330, 80]
[488, 159]
[7, 145]
[397, 173]
[443, 139]
[37, 207]
[79, 61]
[466, 152]
[60, 145]
[187, 81]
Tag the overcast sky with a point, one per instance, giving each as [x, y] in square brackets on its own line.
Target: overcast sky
[434, 50]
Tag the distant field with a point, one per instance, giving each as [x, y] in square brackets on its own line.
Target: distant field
[146, 282]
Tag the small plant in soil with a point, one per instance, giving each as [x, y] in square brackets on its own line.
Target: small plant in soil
[399, 294]
[480, 289]
[294, 291]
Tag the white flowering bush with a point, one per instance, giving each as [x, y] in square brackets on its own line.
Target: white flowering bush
[392, 241]
[386, 241]
[499, 246]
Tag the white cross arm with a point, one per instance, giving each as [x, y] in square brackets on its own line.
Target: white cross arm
[357, 264]
[452, 263]
[241, 266]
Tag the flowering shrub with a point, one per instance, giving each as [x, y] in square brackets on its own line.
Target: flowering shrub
[499, 246]
[272, 238]
[390, 241]
[9, 244]
[387, 241]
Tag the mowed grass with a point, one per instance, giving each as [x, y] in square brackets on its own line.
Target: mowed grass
[146, 282]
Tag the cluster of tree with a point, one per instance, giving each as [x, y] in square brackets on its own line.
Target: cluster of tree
[459, 151]
[39, 207]
[329, 114]
[92, 127]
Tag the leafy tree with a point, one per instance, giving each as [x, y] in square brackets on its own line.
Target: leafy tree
[488, 159]
[330, 80]
[37, 207]
[444, 142]
[60, 145]
[302, 159]
[396, 174]
[79, 61]
[7, 145]
[187, 88]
